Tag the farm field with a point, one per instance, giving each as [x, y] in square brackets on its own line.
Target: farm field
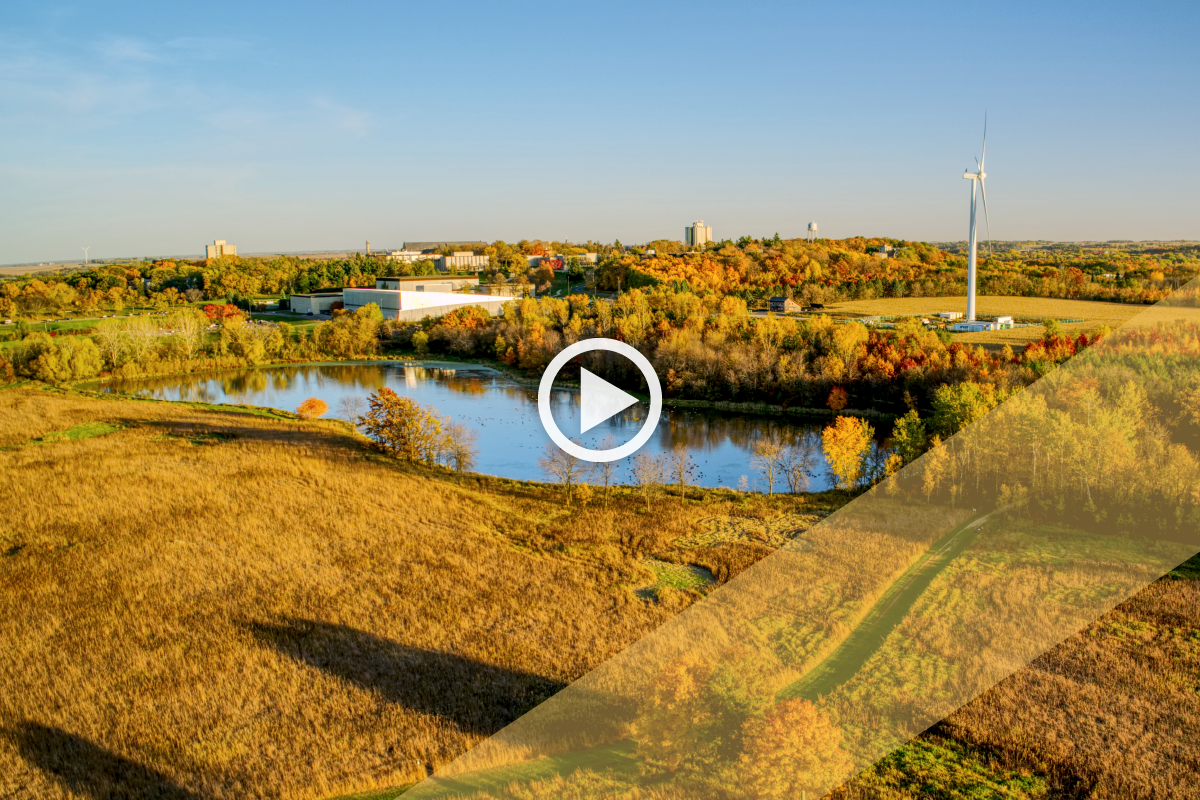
[13, 272]
[1093, 314]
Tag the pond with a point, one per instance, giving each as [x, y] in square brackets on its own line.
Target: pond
[503, 413]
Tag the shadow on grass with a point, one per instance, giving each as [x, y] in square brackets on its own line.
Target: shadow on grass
[87, 769]
[479, 698]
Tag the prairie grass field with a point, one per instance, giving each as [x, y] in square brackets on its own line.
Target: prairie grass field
[203, 603]
[213, 602]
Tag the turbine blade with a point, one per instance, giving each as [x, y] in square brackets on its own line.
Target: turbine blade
[984, 158]
[986, 221]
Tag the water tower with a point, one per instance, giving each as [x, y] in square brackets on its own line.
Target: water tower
[812, 231]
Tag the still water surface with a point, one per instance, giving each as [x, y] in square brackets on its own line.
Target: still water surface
[503, 413]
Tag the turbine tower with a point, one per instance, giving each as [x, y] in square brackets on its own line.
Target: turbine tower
[85, 249]
[977, 187]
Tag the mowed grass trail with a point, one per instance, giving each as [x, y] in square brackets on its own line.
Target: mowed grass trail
[890, 610]
[205, 603]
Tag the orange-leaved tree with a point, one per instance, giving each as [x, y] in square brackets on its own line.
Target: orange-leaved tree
[311, 408]
[837, 398]
[791, 749]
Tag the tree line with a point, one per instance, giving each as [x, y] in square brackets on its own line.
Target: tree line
[707, 347]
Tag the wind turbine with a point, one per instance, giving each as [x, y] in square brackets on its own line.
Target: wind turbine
[976, 179]
[85, 249]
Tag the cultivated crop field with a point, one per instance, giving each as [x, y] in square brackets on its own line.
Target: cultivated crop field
[1094, 315]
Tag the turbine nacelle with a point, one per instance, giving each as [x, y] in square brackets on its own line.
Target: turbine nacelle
[973, 176]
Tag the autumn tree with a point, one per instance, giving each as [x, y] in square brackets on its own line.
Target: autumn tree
[352, 334]
[312, 408]
[682, 466]
[221, 312]
[604, 469]
[694, 720]
[765, 458]
[957, 406]
[847, 444]
[401, 427]
[935, 468]
[563, 467]
[837, 398]
[791, 750]
[909, 438]
[798, 464]
[460, 450]
[350, 408]
[187, 331]
[64, 359]
[647, 473]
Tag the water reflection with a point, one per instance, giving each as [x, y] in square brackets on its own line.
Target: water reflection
[504, 413]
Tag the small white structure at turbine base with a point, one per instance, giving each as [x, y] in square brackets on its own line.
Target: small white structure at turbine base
[977, 187]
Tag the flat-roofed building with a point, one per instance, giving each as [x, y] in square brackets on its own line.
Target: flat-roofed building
[466, 260]
[219, 248]
[415, 306]
[410, 256]
[697, 234]
[973, 326]
[314, 303]
[427, 283]
[428, 246]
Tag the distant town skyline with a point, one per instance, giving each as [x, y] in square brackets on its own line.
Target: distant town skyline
[129, 133]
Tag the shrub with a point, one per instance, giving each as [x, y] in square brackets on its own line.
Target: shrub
[312, 408]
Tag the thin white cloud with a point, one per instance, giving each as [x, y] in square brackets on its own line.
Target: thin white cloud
[124, 49]
[343, 117]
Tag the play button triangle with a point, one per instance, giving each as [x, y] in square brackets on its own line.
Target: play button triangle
[599, 400]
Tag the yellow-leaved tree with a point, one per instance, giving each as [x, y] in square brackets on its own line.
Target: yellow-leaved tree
[847, 444]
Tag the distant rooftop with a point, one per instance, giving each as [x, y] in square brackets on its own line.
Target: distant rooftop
[422, 246]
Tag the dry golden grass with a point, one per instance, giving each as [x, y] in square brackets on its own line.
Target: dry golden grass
[1093, 314]
[1111, 712]
[36, 270]
[212, 604]
[1103, 715]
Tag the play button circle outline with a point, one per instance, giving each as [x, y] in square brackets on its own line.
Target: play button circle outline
[547, 384]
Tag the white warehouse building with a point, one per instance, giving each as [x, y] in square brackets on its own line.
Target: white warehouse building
[415, 306]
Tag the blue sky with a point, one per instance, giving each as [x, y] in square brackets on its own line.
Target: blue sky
[151, 128]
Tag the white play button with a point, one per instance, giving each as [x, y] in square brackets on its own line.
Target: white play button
[599, 400]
